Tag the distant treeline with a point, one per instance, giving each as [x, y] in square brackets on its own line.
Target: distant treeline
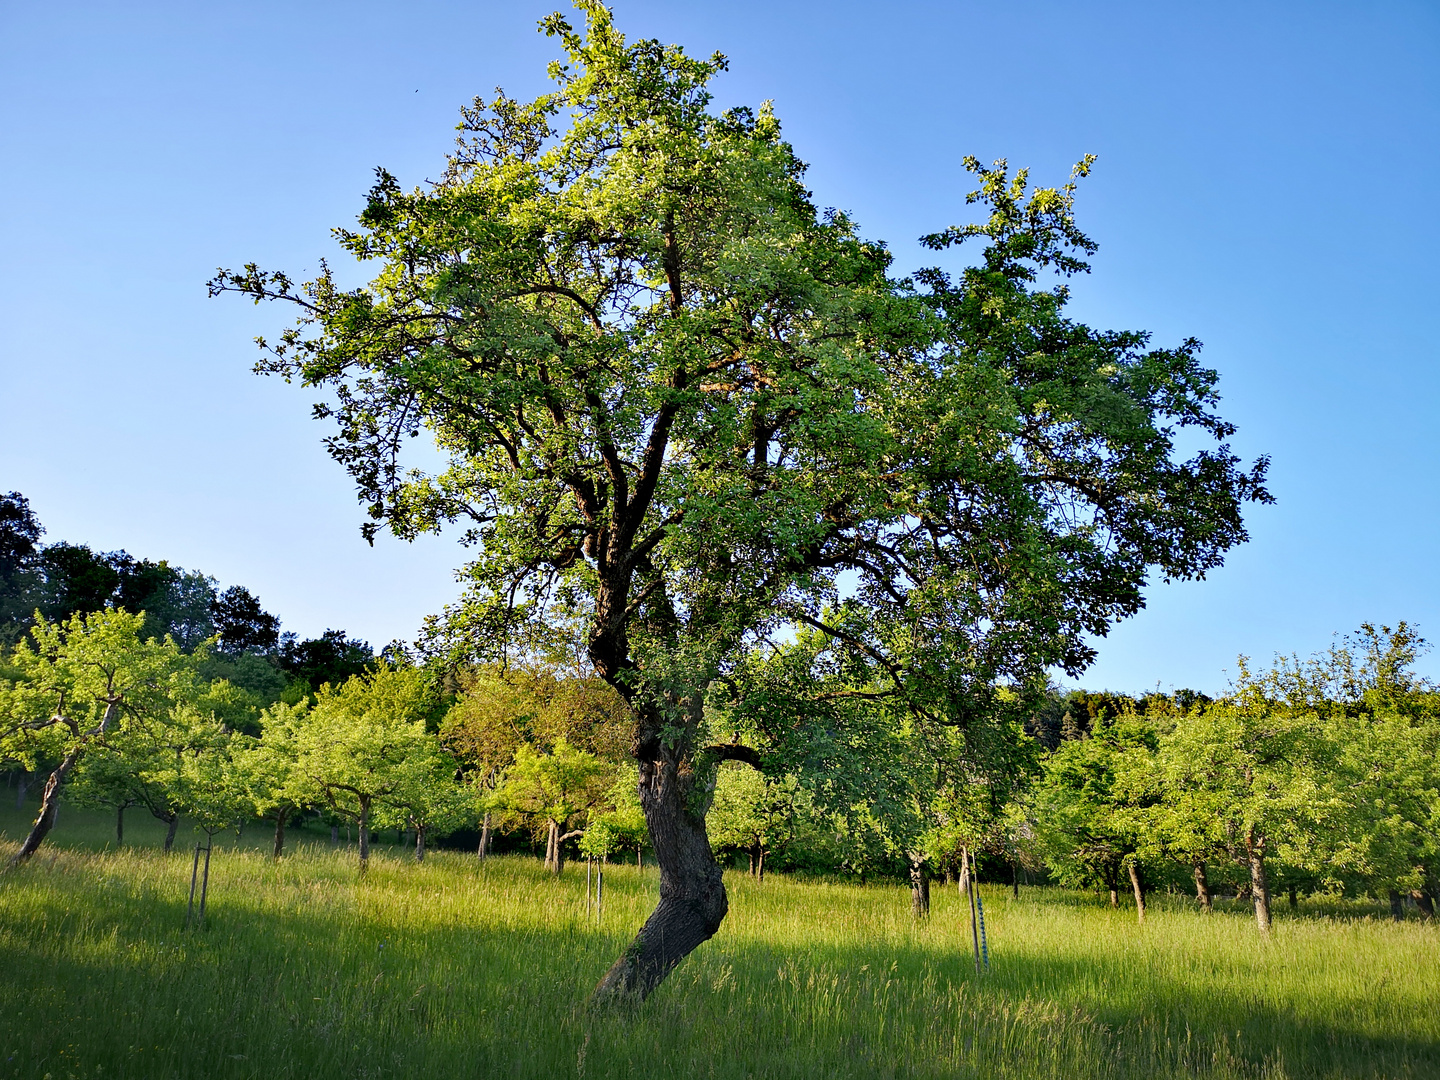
[249, 650]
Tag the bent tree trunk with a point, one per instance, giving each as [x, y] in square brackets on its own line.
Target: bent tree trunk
[1259, 886]
[1133, 865]
[692, 894]
[172, 822]
[1202, 886]
[49, 806]
[484, 836]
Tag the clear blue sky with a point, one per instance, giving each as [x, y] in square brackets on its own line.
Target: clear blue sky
[1267, 182]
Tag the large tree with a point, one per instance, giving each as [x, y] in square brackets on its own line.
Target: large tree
[683, 407]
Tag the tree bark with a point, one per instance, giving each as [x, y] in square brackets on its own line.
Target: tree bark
[419, 843]
[49, 807]
[1259, 885]
[963, 881]
[1202, 887]
[364, 832]
[692, 892]
[1112, 881]
[173, 823]
[1397, 906]
[484, 836]
[1133, 865]
[1015, 879]
[551, 847]
[1424, 902]
[334, 834]
[280, 816]
[1293, 896]
[919, 891]
[760, 863]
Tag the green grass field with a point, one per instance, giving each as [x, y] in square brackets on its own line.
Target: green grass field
[451, 969]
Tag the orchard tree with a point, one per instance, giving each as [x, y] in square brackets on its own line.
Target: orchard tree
[499, 709]
[79, 684]
[268, 768]
[684, 407]
[556, 791]
[1094, 807]
[351, 747]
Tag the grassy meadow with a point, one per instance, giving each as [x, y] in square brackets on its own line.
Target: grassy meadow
[452, 968]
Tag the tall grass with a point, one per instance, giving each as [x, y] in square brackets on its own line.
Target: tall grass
[453, 968]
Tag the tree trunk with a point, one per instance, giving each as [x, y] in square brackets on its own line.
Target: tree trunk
[1293, 897]
[552, 847]
[1397, 906]
[172, 823]
[484, 836]
[280, 816]
[692, 892]
[919, 891]
[760, 864]
[1112, 881]
[1259, 886]
[49, 807]
[334, 834]
[1423, 902]
[364, 832]
[963, 882]
[119, 826]
[1015, 879]
[1202, 887]
[639, 859]
[419, 843]
[1133, 865]
[751, 853]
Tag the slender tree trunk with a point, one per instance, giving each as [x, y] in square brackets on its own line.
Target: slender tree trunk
[364, 832]
[760, 864]
[919, 890]
[1015, 879]
[1397, 906]
[1259, 886]
[49, 807]
[963, 882]
[692, 891]
[280, 816]
[1133, 865]
[419, 843]
[552, 847]
[639, 859]
[119, 826]
[334, 834]
[205, 879]
[1202, 886]
[1293, 895]
[484, 836]
[751, 853]
[172, 824]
